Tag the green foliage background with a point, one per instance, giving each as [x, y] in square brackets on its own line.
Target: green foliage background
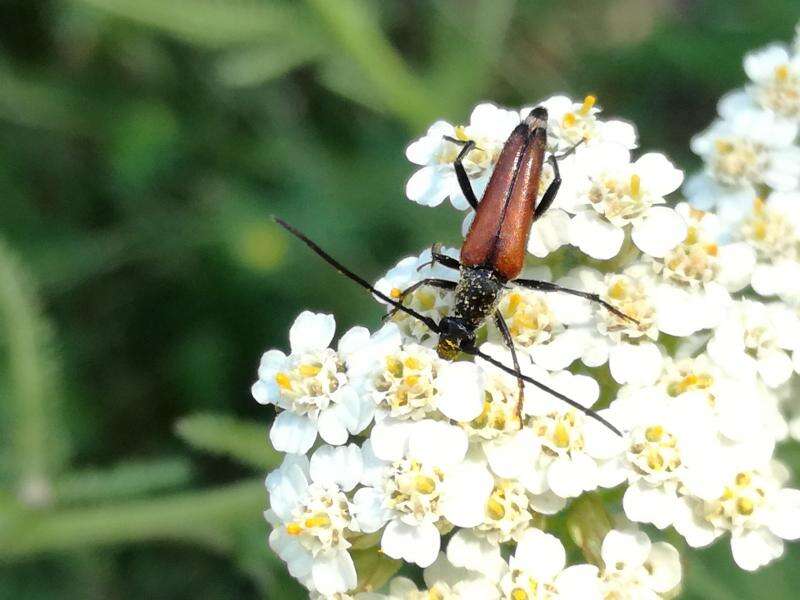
[143, 144]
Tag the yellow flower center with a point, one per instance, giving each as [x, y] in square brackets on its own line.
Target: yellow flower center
[318, 521]
[424, 485]
[293, 529]
[310, 370]
[495, 509]
[636, 186]
[654, 433]
[588, 104]
[283, 381]
[561, 435]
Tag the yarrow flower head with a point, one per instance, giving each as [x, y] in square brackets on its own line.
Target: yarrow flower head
[775, 75]
[617, 193]
[311, 387]
[660, 361]
[488, 127]
[312, 517]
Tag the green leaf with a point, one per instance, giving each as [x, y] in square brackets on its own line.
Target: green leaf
[212, 23]
[208, 517]
[39, 103]
[241, 440]
[123, 481]
[37, 444]
[355, 29]
[343, 77]
[262, 63]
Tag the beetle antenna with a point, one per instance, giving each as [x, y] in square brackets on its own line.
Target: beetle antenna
[545, 388]
[350, 275]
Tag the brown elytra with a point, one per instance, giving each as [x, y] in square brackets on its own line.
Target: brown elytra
[498, 237]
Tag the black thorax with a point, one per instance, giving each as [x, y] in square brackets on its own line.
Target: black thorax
[477, 295]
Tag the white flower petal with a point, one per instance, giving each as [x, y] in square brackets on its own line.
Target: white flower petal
[460, 387]
[628, 547]
[389, 439]
[414, 544]
[265, 392]
[476, 553]
[549, 233]
[595, 236]
[561, 352]
[340, 466]
[429, 186]
[775, 367]
[466, 490]
[369, 509]
[331, 427]
[638, 364]
[547, 503]
[660, 174]
[755, 548]
[697, 531]
[579, 582]
[541, 555]
[568, 478]
[784, 520]
[352, 410]
[650, 504]
[333, 572]
[736, 264]
[599, 441]
[426, 150]
[311, 331]
[760, 64]
[773, 279]
[287, 485]
[665, 566]
[659, 232]
[298, 560]
[437, 443]
[619, 132]
[292, 433]
[353, 339]
[510, 456]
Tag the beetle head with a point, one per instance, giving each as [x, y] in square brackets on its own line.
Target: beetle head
[454, 335]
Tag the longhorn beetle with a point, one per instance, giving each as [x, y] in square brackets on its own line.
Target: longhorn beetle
[492, 254]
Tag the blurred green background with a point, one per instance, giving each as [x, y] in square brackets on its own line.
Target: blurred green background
[143, 144]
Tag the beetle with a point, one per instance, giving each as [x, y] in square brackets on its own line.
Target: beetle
[493, 252]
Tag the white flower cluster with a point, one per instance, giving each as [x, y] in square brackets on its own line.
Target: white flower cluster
[395, 455]
[752, 168]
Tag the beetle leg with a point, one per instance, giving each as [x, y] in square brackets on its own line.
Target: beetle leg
[439, 257]
[443, 284]
[551, 191]
[546, 286]
[461, 172]
[566, 153]
[503, 327]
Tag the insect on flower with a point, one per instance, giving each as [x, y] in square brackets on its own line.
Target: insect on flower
[493, 251]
